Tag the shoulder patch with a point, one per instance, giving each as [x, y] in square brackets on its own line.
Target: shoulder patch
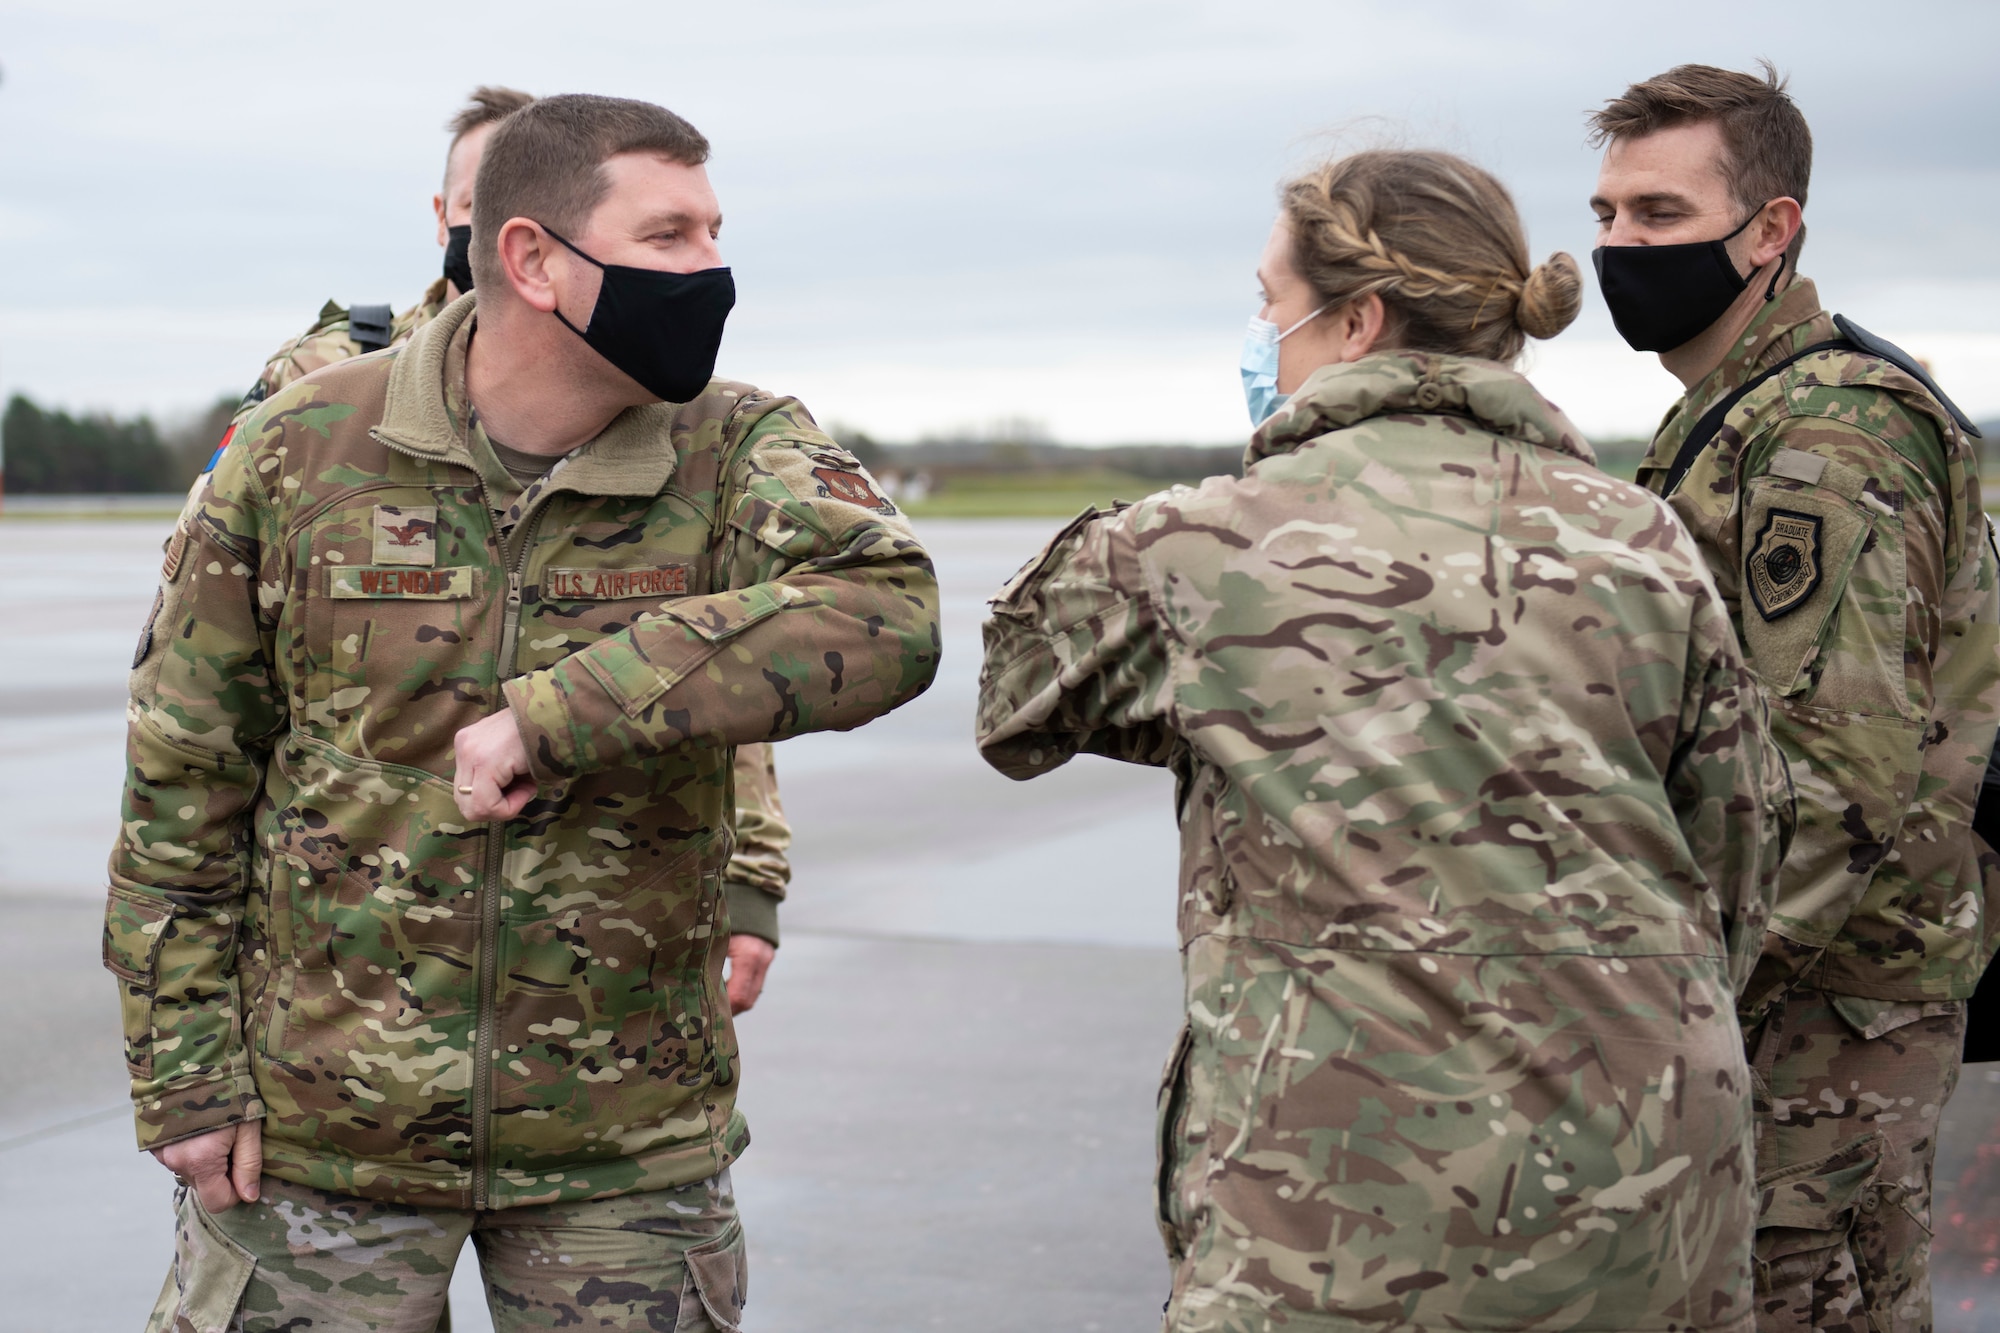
[851, 487]
[1783, 568]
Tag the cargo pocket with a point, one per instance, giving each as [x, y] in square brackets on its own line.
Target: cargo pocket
[1805, 1218]
[1169, 1131]
[133, 927]
[718, 1283]
[211, 1273]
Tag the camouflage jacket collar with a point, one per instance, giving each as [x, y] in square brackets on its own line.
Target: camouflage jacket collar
[633, 456]
[1791, 323]
[1493, 397]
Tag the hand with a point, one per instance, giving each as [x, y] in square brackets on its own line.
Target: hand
[222, 1166]
[749, 959]
[491, 769]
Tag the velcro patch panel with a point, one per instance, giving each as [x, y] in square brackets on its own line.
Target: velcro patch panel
[422, 585]
[607, 585]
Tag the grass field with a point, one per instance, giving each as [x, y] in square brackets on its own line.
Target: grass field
[1033, 494]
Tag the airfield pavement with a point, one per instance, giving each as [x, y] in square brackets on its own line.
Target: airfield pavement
[949, 1080]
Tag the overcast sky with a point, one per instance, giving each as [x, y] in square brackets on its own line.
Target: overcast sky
[938, 215]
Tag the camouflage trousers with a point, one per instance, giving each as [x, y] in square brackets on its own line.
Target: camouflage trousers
[1847, 1098]
[301, 1260]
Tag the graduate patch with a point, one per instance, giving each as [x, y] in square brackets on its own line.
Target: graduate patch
[422, 585]
[850, 487]
[406, 534]
[1784, 565]
[608, 585]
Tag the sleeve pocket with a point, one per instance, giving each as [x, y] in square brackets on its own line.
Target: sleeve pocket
[1009, 596]
[646, 661]
[1800, 545]
[133, 926]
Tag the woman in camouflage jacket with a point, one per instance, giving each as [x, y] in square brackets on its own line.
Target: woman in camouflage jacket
[1479, 812]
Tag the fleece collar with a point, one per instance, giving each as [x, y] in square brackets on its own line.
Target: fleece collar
[1387, 384]
[633, 456]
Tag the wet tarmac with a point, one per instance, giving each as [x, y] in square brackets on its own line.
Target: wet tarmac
[949, 1082]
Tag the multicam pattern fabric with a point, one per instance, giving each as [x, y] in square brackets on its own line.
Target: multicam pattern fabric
[1849, 1092]
[455, 1015]
[759, 871]
[1479, 824]
[1883, 672]
[301, 1260]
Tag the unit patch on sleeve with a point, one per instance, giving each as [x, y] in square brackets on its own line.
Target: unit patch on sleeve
[610, 585]
[406, 534]
[1784, 565]
[850, 487]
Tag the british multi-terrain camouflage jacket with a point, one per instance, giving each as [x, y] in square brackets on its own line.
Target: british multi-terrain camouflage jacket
[1479, 828]
[305, 928]
[1838, 509]
[760, 869]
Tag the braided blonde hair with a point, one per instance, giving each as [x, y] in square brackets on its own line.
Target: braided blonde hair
[1439, 240]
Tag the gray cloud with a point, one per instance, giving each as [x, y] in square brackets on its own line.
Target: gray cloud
[908, 181]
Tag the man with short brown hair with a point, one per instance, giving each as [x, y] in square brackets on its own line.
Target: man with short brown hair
[417, 907]
[760, 869]
[1835, 497]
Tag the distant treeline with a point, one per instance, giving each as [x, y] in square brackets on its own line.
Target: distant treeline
[53, 453]
[1157, 462]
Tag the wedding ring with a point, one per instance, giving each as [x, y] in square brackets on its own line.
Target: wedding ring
[465, 791]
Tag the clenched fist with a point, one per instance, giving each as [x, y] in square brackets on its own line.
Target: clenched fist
[491, 772]
[222, 1167]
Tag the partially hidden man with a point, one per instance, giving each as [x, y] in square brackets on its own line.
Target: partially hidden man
[760, 868]
[417, 911]
[1479, 816]
[1835, 497]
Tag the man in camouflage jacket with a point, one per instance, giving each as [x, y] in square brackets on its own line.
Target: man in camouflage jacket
[517, 1017]
[1479, 824]
[760, 870]
[1838, 508]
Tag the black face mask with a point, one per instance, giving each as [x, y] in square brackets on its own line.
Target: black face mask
[662, 329]
[458, 257]
[1662, 296]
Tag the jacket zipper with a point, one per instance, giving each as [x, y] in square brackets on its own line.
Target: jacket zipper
[486, 1017]
[484, 1037]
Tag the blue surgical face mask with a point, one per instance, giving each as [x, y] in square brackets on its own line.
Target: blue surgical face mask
[1260, 366]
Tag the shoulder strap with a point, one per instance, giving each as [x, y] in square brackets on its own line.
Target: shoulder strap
[1903, 361]
[369, 325]
[1711, 420]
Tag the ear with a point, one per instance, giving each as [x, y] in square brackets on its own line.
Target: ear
[1772, 234]
[437, 207]
[1360, 324]
[527, 258]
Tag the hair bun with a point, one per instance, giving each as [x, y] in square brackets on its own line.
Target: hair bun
[1550, 298]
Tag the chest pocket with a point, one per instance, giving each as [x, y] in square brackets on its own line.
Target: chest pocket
[1822, 591]
[397, 596]
[597, 574]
